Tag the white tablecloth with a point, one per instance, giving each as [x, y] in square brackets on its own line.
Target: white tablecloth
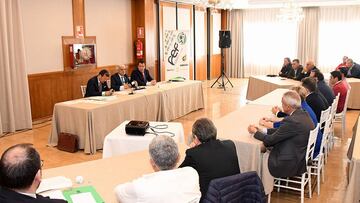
[117, 142]
[92, 120]
[234, 127]
[271, 99]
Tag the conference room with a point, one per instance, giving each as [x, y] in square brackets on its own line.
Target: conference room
[179, 101]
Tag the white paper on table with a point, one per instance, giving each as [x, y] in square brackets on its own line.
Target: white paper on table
[85, 197]
[94, 102]
[73, 102]
[53, 194]
[101, 98]
[53, 183]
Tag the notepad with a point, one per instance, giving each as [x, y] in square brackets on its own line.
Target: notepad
[84, 194]
[58, 182]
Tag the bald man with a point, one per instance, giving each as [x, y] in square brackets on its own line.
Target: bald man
[310, 66]
[120, 81]
[20, 176]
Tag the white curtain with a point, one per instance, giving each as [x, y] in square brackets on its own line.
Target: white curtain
[15, 112]
[339, 35]
[235, 54]
[308, 36]
[267, 41]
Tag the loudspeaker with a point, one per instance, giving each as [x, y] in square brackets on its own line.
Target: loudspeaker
[224, 39]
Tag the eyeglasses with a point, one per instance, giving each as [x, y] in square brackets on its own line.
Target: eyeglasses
[41, 163]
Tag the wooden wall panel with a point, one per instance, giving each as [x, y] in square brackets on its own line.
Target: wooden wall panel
[215, 66]
[201, 52]
[47, 89]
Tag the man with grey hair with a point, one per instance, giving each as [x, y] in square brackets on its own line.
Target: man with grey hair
[210, 157]
[166, 184]
[288, 143]
[354, 69]
[120, 81]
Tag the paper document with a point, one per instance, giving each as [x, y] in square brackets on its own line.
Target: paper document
[101, 98]
[53, 183]
[85, 197]
[53, 194]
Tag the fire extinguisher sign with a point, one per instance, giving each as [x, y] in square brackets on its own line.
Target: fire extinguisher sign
[176, 54]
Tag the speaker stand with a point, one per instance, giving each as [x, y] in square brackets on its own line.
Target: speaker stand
[223, 75]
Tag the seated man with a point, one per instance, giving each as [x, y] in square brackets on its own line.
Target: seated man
[288, 143]
[353, 69]
[286, 68]
[323, 87]
[343, 64]
[296, 70]
[97, 85]
[142, 76]
[310, 65]
[210, 157]
[20, 176]
[315, 99]
[344, 72]
[166, 184]
[120, 81]
[338, 88]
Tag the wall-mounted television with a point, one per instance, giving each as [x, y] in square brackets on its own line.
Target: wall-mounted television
[83, 54]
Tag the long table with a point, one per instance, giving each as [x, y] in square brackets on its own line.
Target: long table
[352, 193]
[233, 126]
[92, 119]
[106, 174]
[261, 85]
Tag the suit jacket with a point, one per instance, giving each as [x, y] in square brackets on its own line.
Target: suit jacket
[296, 75]
[289, 143]
[92, 87]
[317, 102]
[10, 196]
[176, 186]
[212, 159]
[116, 81]
[326, 91]
[285, 71]
[354, 72]
[137, 76]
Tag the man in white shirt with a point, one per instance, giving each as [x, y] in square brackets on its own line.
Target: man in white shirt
[166, 184]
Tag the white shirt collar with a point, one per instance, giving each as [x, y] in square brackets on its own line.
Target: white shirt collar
[28, 194]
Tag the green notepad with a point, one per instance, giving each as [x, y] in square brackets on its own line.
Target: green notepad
[71, 193]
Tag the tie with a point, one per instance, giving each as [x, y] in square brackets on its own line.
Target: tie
[100, 87]
[144, 77]
[122, 79]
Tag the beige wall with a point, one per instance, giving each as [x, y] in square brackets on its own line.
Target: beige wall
[44, 23]
[110, 22]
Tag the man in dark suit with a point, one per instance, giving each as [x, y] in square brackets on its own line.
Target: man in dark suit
[315, 99]
[354, 69]
[97, 85]
[288, 143]
[210, 157]
[296, 70]
[310, 66]
[20, 176]
[142, 76]
[120, 81]
[322, 86]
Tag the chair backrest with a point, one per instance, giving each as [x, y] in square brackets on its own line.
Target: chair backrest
[334, 105]
[325, 114]
[243, 187]
[326, 133]
[311, 143]
[346, 102]
[83, 90]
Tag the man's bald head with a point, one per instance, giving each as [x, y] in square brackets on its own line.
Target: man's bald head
[19, 165]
